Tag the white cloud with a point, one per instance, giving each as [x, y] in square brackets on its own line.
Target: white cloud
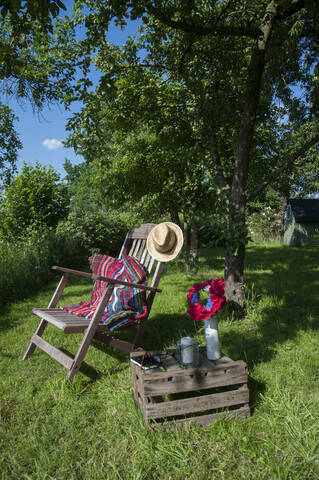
[52, 143]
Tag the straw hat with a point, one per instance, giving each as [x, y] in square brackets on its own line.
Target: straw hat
[165, 241]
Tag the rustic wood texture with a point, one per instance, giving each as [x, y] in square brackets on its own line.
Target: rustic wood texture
[55, 353]
[213, 389]
[43, 323]
[205, 420]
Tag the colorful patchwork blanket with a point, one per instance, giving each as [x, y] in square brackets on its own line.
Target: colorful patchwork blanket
[127, 305]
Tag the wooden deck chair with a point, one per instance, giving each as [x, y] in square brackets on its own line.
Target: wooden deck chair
[135, 245]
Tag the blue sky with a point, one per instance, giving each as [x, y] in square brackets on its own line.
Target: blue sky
[42, 133]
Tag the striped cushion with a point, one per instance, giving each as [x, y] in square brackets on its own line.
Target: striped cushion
[127, 305]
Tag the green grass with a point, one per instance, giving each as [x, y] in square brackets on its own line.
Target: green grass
[91, 429]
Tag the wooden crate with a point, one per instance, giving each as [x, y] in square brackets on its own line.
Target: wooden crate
[178, 395]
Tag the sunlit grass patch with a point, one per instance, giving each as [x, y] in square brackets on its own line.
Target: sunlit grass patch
[91, 428]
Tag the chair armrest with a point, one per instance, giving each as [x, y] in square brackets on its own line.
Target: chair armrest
[73, 272]
[114, 281]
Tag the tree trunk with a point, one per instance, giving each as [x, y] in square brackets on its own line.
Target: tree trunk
[234, 273]
[193, 253]
[282, 217]
[175, 216]
[235, 255]
[186, 230]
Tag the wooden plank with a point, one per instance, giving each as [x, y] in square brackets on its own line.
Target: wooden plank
[135, 377]
[132, 247]
[144, 256]
[177, 372]
[197, 404]
[114, 281]
[199, 382]
[124, 246]
[66, 322]
[141, 231]
[147, 260]
[52, 351]
[157, 274]
[205, 420]
[141, 351]
[137, 247]
[115, 342]
[59, 290]
[150, 266]
[138, 385]
[155, 282]
[142, 250]
[89, 333]
[70, 271]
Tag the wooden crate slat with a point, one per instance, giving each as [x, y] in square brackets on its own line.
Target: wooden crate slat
[205, 420]
[177, 371]
[190, 384]
[197, 404]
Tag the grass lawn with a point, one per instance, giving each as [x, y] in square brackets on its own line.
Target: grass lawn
[91, 429]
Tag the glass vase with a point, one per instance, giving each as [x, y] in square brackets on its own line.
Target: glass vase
[212, 340]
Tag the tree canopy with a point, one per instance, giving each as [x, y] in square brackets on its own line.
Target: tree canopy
[209, 104]
[9, 143]
[216, 77]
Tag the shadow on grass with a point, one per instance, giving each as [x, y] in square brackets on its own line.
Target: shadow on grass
[283, 298]
[45, 292]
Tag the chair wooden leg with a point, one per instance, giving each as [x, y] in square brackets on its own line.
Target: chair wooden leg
[79, 357]
[89, 333]
[32, 346]
[52, 304]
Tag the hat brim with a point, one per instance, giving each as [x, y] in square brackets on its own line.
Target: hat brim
[167, 256]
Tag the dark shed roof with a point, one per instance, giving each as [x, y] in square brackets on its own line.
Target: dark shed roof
[305, 210]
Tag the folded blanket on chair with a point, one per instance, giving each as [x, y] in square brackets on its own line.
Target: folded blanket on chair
[127, 305]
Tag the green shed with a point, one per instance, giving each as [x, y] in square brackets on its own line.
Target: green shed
[301, 226]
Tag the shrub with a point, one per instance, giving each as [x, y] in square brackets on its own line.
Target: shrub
[211, 230]
[25, 264]
[34, 199]
[95, 231]
[265, 225]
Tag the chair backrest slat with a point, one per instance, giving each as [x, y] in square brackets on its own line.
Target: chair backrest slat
[132, 248]
[150, 265]
[144, 255]
[142, 250]
[135, 245]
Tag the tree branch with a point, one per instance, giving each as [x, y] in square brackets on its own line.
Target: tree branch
[285, 166]
[219, 174]
[217, 165]
[291, 10]
[202, 29]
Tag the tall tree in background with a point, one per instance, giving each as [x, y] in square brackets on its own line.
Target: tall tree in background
[237, 61]
[9, 144]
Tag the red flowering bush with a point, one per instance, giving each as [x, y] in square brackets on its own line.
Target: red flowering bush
[215, 302]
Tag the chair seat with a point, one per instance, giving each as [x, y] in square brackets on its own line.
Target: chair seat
[65, 321]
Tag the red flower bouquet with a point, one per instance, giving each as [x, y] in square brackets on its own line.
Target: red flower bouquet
[215, 302]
